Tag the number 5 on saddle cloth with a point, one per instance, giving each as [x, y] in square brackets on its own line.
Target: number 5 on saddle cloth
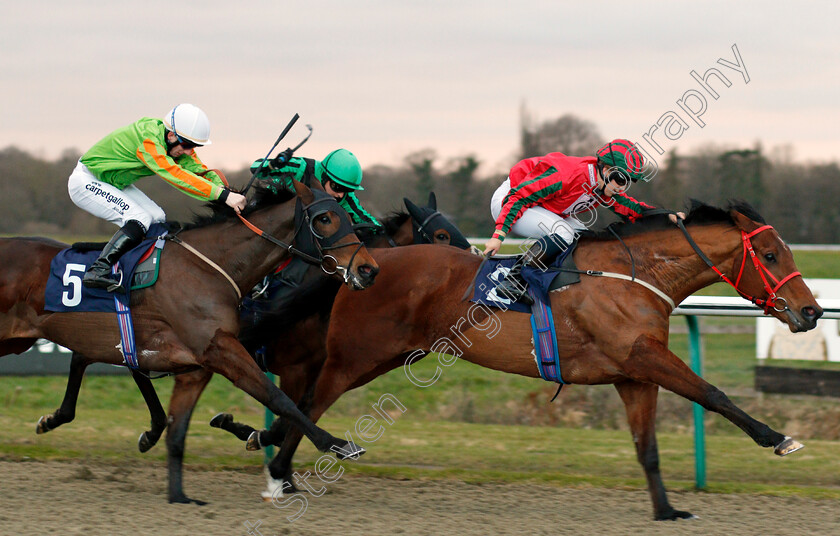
[65, 293]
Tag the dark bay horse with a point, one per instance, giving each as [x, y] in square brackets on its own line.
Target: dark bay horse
[294, 336]
[189, 319]
[609, 331]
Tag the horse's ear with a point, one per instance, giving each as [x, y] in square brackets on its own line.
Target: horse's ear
[432, 204]
[318, 185]
[743, 222]
[303, 192]
[413, 209]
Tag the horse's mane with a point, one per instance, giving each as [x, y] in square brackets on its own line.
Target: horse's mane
[391, 223]
[699, 213]
[219, 212]
[394, 220]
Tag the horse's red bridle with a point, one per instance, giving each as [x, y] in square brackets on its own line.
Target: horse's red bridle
[772, 299]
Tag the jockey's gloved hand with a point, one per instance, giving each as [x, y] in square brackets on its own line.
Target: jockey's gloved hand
[281, 159]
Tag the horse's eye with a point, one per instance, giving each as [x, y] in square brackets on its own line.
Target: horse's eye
[769, 257]
[442, 237]
[323, 218]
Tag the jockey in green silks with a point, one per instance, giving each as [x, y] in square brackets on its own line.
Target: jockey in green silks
[339, 172]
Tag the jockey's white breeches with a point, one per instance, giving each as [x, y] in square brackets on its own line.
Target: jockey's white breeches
[109, 202]
[536, 222]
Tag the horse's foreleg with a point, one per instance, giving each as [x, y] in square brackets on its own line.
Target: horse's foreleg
[295, 380]
[640, 403]
[651, 361]
[149, 438]
[188, 387]
[226, 356]
[67, 411]
[298, 382]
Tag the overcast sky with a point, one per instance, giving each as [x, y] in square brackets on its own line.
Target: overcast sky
[385, 78]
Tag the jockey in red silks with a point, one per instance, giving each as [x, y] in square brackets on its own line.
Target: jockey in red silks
[543, 196]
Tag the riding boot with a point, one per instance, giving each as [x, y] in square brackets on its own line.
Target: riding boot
[539, 255]
[99, 274]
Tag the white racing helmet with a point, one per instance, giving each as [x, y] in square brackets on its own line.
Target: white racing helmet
[189, 122]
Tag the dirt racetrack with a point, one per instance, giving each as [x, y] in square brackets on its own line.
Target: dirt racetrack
[66, 498]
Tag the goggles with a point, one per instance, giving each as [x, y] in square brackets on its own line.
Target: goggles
[186, 144]
[339, 188]
[618, 176]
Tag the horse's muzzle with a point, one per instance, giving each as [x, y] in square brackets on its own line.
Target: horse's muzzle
[363, 278]
[805, 319]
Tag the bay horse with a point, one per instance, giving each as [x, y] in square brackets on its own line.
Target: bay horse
[293, 335]
[609, 330]
[189, 319]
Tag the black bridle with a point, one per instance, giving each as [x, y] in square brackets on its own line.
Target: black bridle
[420, 231]
[311, 245]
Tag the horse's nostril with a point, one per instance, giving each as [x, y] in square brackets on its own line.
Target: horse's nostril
[810, 313]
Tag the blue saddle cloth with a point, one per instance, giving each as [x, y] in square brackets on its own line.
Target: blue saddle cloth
[65, 292]
[494, 271]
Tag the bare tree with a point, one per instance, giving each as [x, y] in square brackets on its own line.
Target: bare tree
[567, 134]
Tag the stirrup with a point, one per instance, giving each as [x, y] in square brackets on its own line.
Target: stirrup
[106, 282]
[515, 294]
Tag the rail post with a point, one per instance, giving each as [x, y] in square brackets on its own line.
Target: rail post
[268, 450]
[696, 357]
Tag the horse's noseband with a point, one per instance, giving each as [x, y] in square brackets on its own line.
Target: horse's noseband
[772, 299]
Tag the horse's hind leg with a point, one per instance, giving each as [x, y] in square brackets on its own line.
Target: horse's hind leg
[640, 403]
[650, 361]
[188, 387]
[149, 438]
[225, 421]
[67, 411]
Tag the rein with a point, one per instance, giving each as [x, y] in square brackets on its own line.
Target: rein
[772, 299]
[321, 258]
[290, 248]
[277, 242]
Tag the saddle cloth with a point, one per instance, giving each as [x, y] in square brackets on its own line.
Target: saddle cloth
[540, 283]
[65, 292]
[494, 270]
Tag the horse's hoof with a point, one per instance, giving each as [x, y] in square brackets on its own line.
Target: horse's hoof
[673, 515]
[253, 442]
[183, 499]
[42, 427]
[221, 419]
[349, 450]
[144, 443]
[274, 489]
[788, 446]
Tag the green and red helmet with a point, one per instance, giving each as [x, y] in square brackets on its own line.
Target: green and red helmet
[624, 155]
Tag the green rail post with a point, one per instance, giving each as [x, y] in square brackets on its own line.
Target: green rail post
[268, 450]
[696, 355]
